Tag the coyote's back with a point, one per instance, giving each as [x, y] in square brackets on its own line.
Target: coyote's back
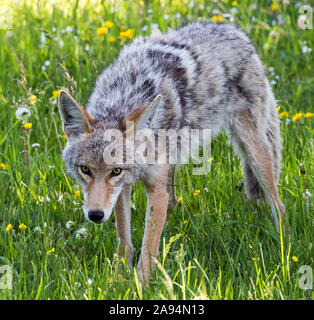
[203, 72]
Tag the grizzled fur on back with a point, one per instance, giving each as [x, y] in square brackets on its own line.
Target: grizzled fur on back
[201, 70]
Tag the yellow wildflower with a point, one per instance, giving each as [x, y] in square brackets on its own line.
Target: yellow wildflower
[284, 114]
[77, 193]
[278, 108]
[32, 99]
[274, 6]
[255, 259]
[108, 24]
[295, 259]
[112, 39]
[51, 251]
[297, 116]
[22, 226]
[211, 159]
[3, 166]
[55, 94]
[27, 125]
[102, 31]
[234, 3]
[309, 115]
[128, 34]
[196, 192]
[9, 227]
[123, 260]
[217, 19]
[180, 199]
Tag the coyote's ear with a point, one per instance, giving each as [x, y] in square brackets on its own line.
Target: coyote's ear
[143, 117]
[75, 119]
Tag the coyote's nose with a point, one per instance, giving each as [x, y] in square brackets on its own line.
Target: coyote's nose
[95, 215]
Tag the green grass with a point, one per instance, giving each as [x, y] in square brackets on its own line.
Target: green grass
[209, 242]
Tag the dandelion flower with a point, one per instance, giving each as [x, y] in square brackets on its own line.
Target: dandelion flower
[274, 6]
[9, 227]
[180, 199]
[102, 31]
[77, 193]
[295, 259]
[278, 108]
[255, 259]
[217, 19]
[210, 160]
[70, 224]
[27, 125]
[35, 145]
[307, 194]
[297, 116]
[123, 260]
[128, 34]
[22, 226]
[3, 166]
[112, 39]
[22, 112]
[284, 114]
[81, 233]
[51, 251]
[108, 24]
[196, 193]
[234, 3]
[33, 99]
[37, 229]
[55, 94]
[309, 115]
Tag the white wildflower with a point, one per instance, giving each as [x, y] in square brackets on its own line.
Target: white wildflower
[234, 10]
[35, 145]
[166, 16]
[81, 233]
[306, 49]
[307, 195]
[22, 113]
[89, 281]
[70, 224]
[37, 229]
[42, 37]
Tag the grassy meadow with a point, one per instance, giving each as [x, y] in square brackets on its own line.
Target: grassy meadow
[215, 244]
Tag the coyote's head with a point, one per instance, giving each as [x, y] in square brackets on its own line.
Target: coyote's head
[89, 157]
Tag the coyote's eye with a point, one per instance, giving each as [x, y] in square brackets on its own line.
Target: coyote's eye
[116, 171]
[85, 170]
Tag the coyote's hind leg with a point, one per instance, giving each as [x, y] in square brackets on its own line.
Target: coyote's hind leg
[256, 150]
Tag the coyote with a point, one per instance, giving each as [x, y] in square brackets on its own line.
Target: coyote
[200, 76]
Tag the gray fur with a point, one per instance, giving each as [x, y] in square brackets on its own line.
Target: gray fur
[207, 75]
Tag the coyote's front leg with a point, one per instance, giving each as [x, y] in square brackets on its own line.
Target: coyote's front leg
[156, 213]
[123, 224]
